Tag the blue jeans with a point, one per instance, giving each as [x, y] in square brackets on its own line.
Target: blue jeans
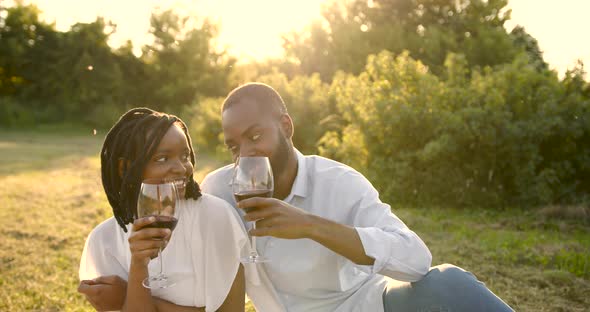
[446, 288]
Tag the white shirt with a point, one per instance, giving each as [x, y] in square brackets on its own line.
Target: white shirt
[204, 249]
[308, 276]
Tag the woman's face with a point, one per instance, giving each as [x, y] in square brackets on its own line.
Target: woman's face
[171, 160]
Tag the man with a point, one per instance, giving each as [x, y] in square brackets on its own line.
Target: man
[332, 244]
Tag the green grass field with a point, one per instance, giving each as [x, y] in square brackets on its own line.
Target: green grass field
[51, 198]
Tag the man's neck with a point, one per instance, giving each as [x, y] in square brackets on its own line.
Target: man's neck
[284, 182]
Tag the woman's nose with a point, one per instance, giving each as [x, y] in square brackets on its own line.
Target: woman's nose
[178, 167]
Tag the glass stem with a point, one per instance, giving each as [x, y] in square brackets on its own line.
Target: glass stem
[161, 262]
[254, 252]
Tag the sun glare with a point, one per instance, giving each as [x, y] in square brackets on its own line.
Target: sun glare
[247, 29]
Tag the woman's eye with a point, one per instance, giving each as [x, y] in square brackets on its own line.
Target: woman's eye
[256, 137]
[185, 157]
[161, 159]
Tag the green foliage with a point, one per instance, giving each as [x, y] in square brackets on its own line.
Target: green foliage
[310, 105]
[52, 76]
[308, 100]
[492, 138]
[13, 115]
[184, 64]
[429, 29]
[205, 125]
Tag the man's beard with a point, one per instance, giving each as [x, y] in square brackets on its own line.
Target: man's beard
[280, 157]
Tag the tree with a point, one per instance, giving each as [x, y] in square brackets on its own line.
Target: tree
[428, 29]
[184, 62]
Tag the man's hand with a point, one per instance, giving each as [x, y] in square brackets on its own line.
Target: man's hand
[105, 293]
[277, 218]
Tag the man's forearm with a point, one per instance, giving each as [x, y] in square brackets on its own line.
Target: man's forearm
[342, 239]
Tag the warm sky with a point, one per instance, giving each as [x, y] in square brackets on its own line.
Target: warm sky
[252, 28]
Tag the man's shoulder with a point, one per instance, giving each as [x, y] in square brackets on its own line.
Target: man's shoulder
[218, 175]
[326, 168]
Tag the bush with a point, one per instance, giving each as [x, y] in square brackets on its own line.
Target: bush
[509, 135]
[12, 114]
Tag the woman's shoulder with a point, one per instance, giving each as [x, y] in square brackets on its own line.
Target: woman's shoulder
[106, 231]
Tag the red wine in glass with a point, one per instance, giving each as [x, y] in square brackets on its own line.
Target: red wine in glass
[157, 198]
[252, 178]
[163, 222]
[249, 194]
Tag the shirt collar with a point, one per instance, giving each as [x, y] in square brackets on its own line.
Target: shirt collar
[300, 184]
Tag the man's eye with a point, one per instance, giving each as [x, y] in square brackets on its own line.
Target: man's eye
[256, 137]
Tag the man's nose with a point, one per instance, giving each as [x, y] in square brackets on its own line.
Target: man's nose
[247, 151]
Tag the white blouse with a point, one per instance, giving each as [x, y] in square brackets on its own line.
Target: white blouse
[204, 249]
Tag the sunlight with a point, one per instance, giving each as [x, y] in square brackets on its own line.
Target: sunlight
[247, 29]
[559, 28]
[252, 29]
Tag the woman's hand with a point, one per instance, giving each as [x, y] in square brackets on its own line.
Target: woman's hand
[145, 242]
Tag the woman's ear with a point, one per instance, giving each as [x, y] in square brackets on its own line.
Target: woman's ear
[287, 125]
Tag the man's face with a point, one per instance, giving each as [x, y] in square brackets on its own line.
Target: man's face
[250, 131]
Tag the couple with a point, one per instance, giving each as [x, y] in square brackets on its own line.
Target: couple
[332, 244]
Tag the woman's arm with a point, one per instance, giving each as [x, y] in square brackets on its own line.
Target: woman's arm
[235, 299]
[233, 302]
[144, 244]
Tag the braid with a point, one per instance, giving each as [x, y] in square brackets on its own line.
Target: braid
[192, 187]
[127, 147]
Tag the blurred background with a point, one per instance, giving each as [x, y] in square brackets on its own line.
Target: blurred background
[471, 117]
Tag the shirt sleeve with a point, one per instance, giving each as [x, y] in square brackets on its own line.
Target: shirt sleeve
[399, 253]
[99, 257]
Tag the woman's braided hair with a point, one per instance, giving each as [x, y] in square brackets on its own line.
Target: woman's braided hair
[130, 143]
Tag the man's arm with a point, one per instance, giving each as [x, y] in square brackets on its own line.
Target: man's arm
[378, 239]
[282, 220]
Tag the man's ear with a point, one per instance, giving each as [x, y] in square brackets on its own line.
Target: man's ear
[287, 125]
[123, 164]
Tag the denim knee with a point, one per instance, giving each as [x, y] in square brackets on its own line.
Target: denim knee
[448, 274]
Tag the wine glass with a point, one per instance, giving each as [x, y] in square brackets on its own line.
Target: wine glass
[252, 178]
[157, 198]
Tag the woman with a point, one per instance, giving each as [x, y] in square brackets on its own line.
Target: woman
[206, 244]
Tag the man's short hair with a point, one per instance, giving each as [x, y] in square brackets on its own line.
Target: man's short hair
[262, 94]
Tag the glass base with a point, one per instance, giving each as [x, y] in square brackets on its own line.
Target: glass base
[159, 282]
[254, 259]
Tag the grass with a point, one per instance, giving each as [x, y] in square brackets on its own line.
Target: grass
[52, 198]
